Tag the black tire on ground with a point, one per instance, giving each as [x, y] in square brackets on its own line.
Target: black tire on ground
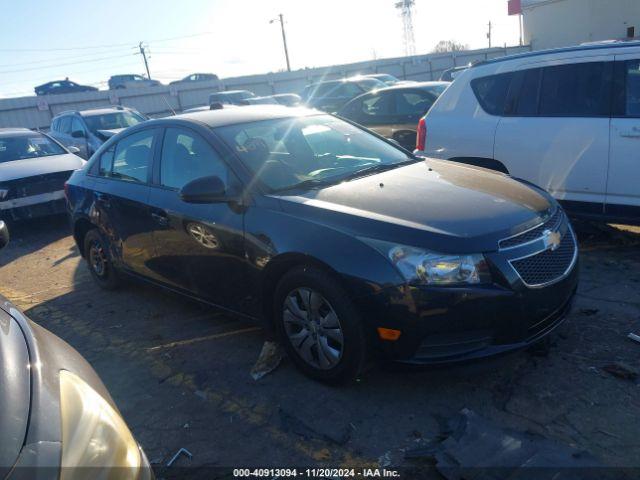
[98, 260]
[353, 359]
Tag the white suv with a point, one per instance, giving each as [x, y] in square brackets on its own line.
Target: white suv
[567, 120]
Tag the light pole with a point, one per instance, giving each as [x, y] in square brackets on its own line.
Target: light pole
[284, 39]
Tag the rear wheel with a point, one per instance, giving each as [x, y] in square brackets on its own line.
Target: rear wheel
[99, 261]
[319, 326]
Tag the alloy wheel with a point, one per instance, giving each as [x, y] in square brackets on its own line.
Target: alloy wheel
[98, 259]
[313, 328]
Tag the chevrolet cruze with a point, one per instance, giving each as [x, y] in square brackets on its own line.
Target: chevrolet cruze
[341, 241]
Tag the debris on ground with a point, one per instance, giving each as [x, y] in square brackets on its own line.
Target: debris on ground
[634, 337]
[621, 370]
[269, 359]
[475, 447]
[182, 451]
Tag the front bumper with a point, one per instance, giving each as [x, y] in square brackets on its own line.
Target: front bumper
[33, 206]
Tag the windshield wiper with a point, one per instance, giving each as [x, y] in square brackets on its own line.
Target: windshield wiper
[372, 169]
[308, 184]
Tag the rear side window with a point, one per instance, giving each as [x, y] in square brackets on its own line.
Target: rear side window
[413, 104]
[132, 157]
[576, 90]
[106, 161]
[491, 92]
[65, 124]
[631, 91]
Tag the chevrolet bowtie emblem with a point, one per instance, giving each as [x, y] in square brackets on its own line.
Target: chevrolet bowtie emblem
[551, 239]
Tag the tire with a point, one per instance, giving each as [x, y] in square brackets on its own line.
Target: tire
[312, 345]
[99, 261]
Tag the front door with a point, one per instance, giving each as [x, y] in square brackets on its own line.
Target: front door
[199, 248]
[623, 181]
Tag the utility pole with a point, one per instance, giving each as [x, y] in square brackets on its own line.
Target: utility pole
[489, 34]
[144, 56]
[284, 39]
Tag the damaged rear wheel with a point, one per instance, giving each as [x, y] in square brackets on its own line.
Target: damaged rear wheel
[97, 256]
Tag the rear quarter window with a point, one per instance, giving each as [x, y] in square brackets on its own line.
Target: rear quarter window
[491, 92]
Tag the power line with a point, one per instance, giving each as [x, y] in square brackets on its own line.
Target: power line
[95, 47]
[101, 59]
[34, 62]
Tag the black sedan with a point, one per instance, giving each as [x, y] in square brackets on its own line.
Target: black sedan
[57, 418]
[343, 242]
[62, 86]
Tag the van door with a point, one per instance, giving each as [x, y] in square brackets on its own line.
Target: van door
[555, 131]
[623, 181]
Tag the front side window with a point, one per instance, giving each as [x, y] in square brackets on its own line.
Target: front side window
[76, 125]
[112, 121]
[65, 125]
[27, 145]
[186, 156]
[576, 90]
[377, 106]
[132, 157]
[106, 162]
[319, 149]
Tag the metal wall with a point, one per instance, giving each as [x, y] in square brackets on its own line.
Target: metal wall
[37, 112]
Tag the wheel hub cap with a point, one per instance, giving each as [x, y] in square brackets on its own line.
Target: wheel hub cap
[313, 328]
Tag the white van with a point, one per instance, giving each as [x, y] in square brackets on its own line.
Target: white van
[567, 120]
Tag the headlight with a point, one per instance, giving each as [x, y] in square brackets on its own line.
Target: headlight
[94, 435]
[419, 266]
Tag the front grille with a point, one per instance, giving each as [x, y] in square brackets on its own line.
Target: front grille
[553, 223]
[547, 266]
[36, 185]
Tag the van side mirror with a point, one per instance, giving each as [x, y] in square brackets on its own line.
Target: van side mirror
[204, 190]
[4, 235]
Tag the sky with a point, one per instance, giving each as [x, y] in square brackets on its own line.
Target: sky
[44, 40]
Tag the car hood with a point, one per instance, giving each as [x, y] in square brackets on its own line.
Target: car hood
[442, 205]
[30, 167]
[109, 133]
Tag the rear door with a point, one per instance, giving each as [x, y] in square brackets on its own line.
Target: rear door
[555, 132]
[623, 180]
[199, 248]
[121, 193]
[78, 137]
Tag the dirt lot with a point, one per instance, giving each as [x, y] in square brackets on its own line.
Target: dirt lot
[180, 371]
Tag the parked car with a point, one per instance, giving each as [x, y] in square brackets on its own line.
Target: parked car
[331, 95]
[394, 112]
[345, 243]
[287, 99]
[88, 129]
[56, 412]
[565, 119]
[131, 80]
[230, 97]
[33, 169]
[62, 86]
[196, 77]
[450, 74]
[386, 78]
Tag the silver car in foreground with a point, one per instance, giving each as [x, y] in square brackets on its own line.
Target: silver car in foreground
[57, 419]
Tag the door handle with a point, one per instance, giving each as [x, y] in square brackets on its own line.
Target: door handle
[161, 219]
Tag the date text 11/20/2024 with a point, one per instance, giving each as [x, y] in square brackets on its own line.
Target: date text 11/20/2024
[316, 472]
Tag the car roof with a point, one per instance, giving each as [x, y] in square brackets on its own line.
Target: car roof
[246, 114]
[93, 111]
[230, 92]
[12, 131]
[617, 44]
[413, 86]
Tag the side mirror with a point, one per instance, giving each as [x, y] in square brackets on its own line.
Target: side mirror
[78, 134]
[74, 150]
[204, 190]
[4, 235]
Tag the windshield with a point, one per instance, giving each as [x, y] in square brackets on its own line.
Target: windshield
[307, 151]
[30, 145]
[112, 121]
[371, 83]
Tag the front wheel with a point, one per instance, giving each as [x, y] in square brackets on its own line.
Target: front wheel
[99, 261]
[319, 326]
